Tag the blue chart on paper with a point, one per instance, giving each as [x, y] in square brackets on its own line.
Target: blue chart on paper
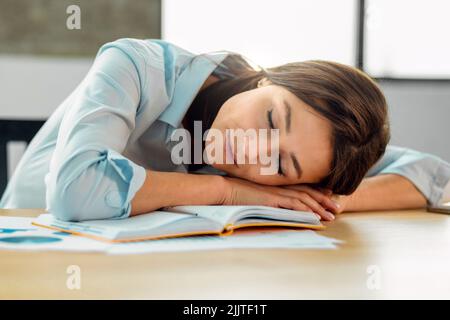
[8, 230]
[59, 233]
[29, 239]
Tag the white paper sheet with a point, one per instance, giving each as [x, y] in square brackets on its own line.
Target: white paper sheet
[17, 233]
[275, 238]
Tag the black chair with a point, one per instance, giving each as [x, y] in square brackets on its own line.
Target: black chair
[14, 130]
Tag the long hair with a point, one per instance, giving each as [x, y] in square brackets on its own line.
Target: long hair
[348, 98]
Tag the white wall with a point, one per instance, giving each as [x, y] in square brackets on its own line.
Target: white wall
[420, 114]
[32, 88]
[269, 32]
[408, 38]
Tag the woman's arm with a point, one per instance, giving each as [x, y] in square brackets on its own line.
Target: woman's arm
[162, 189]
[384, 192]
[402, 179]
[88, 176]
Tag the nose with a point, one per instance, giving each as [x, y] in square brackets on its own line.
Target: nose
[258, 146]
[245, 145]
[251, 149]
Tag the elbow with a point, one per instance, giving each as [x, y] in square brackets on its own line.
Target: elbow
[100, 188]
[81, 199]
[63, 205]
[66, 202]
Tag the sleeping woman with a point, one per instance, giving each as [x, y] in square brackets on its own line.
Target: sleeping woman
[112, 148]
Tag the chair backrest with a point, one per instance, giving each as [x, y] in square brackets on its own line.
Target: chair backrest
[14, 130]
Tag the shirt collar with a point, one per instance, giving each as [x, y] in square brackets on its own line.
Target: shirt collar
[188, 84]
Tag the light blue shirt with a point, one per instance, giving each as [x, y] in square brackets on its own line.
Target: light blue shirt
[90, 157]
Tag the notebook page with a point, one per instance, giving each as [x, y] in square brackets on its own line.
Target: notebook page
[253, 213]
[231, 214]
[220, 214]
[138, 225]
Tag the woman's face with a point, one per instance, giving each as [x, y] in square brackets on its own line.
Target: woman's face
[305, 149]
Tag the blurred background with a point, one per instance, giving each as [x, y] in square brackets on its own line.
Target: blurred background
[47, 46]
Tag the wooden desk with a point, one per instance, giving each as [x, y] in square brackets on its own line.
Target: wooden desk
[409, 249]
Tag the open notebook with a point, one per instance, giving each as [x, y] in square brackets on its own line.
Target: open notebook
[183, 221]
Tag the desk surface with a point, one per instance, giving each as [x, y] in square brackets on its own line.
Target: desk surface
[406, 252]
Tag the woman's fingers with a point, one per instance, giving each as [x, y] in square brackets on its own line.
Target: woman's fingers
[301, 199]
[294, 204]
[341, 200]
[324, 199]
[327, 192]
[312, 203]
[304, 202]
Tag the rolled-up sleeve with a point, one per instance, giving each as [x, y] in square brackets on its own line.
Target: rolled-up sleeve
[88, 176]
[430, 174]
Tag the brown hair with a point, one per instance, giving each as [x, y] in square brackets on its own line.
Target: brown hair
[351, 101]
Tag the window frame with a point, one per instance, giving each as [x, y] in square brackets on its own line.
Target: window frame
[360, 50]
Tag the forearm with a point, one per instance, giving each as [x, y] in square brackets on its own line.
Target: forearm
[162, 189]
[385, 192]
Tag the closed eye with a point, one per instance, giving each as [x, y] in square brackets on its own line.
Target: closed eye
[271, 125]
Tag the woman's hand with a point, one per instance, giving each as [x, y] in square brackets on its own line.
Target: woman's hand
[382, 192]
[323, 197]
[341, 201]
[298, 197]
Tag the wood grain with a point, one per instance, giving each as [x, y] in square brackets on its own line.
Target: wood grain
[409, 248]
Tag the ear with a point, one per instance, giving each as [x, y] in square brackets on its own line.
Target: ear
[264, 82]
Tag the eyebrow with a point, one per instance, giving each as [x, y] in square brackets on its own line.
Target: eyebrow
[297, 166]
[288, 116]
